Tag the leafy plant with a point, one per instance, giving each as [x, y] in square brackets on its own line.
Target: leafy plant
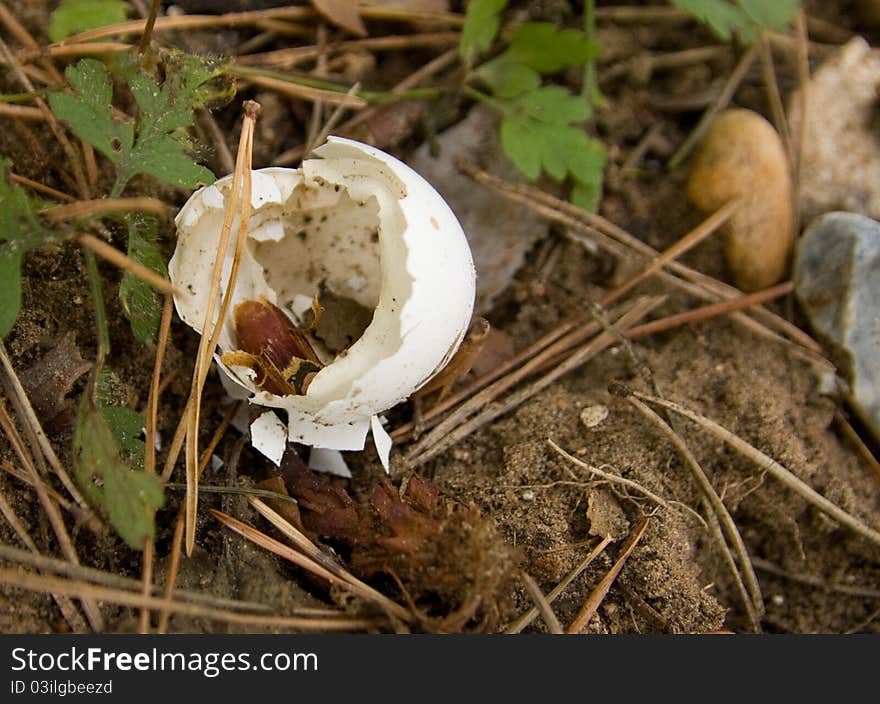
[74, 16]
[743, 18]
[154, 144]
[542, 126]
[19, 231]
[128, 497]
[141, 302]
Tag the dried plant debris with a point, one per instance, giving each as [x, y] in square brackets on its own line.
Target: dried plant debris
[449, 561]
[50, 379]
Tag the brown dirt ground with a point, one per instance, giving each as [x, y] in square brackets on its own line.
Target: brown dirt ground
[550, 511]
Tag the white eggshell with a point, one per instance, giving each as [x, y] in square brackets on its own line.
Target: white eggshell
[371, 229]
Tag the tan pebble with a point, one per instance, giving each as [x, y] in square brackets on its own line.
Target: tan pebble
[592, 416]
[742, 156]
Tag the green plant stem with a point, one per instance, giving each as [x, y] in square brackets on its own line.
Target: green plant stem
[100, 311]
[481, 97]
[372, 97]
[24, 97]
[590, 90]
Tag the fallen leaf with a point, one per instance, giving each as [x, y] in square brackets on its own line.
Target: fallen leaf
[49, 380]
[343, 14]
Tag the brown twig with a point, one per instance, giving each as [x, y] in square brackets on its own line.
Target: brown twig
[56, 520]
[542, 604]
[124, 262]
[311, 565]
[724, 97]
[767, 464]
[455, 428]
[40, 188]
[709, 226]
[101, 206]
[530, 615]
[152, 415]
[597, 596]
[68, 609]
[750, 590]
[619, 242]
[240, 195]
[20, 579]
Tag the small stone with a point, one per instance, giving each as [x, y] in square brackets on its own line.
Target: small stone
[841, 163]
[592, 416]
[837, 281]
[742, 157]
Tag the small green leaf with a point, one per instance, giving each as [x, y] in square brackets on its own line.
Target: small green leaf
[481, 24]
[158, 146]
[164, 158]
[73, 16]
[88, 112]
[126, 426]
[141, 302]
[508, 79]
[19, 231]
[519, 144]
[551, 105]
[587, 168]
[547, 49]
[10, 287]
[128, 497]
[776, 15]
[586, 195]
[741, 17]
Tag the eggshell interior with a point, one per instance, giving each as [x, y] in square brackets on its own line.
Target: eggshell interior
[369, 228]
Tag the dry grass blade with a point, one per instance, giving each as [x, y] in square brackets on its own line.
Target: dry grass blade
[598, 594]
[40, 188]
[56, 520]
[82, 517]
[507, 367]
[21, 579]
[713, 310]
[126, 263]
[184, 22]
[753, 601]
[289, 58]
[326, 561]
[542, 604]
[71, 614]
[818, 582]
[767, 464]
[727, 92]
[529, 616]
[709, 226]
[311, 565]
[22, 112]
[44, 563]
[623, 481]
[620, 243]
[100, 206]
[152, 414]
[297, 90]
[240, 194]
[450, 431]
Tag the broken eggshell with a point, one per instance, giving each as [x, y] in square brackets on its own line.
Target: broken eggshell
[364, 225]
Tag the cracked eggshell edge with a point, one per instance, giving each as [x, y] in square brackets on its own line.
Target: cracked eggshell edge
[425, 303]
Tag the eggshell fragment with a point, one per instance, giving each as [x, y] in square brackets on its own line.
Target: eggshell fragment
[742, 156]
[365, 226]
[269, 436]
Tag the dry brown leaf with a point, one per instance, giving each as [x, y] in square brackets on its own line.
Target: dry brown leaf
[343, 14]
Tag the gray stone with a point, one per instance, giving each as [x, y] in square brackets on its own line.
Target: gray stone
[837, 281]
